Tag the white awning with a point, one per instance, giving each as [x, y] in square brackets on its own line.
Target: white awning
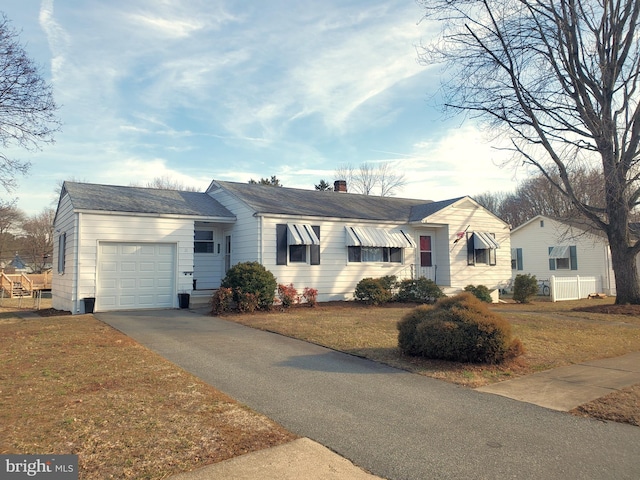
[559, 252]
[300, 234]
[377, 237]
[483, 241]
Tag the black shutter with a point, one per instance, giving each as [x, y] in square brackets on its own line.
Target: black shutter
[552, 261]
[471, 252]
[519, 259]
[314, 250]
[281, 245]
[573, 257]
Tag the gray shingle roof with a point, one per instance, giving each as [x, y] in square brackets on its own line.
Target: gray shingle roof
[111, 198]
[292, 201]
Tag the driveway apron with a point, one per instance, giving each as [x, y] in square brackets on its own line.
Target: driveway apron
[395, 424]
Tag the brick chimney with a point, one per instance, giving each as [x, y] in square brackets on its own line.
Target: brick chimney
[340, 186]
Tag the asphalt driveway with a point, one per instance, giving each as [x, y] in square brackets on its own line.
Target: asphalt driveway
[394, 424]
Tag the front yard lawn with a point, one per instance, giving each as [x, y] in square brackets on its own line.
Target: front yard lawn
[73, 385]
[553, 334]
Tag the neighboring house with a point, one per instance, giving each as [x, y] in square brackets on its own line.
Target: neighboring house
[545, 246]
[18, 265]
[131, 247]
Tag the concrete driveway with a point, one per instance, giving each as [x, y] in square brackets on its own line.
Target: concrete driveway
[392, 423]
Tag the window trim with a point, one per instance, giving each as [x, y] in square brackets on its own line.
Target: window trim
[209, 242]
[572, 257]
[490, 253]
[355, 254]
[301, 237]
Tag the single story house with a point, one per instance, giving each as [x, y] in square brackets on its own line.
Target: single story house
[131, 247]
[547, 247]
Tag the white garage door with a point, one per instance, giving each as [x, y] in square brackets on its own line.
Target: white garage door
[132, 275]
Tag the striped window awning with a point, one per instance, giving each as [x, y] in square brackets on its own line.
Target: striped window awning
[377, 237]
[559, 252]
[301, 234]
[483, 241]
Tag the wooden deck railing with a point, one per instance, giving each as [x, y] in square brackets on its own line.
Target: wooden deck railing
[10, 283]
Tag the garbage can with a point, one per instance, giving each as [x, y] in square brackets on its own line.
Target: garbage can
[89, 304]
[183, 300]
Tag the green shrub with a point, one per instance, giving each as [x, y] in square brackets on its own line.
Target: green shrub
[421, 290]
[481, 292]
[251, 278]
[389, 282]
[372, 291]
[525, 287]
[459, 328]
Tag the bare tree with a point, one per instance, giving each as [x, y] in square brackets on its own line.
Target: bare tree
[167, 183]
[368, 179]
[27, 109]
[388, 180]
[560, 79]
[10, 219]
[537, 196]
[37, 243]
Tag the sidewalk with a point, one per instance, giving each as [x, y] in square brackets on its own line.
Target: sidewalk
[560, 389]
[565, 388]
[300, 459]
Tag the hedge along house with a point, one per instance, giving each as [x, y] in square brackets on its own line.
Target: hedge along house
[131, 247]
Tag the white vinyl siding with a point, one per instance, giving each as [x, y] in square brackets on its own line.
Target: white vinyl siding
[62, 283]
[465, 216]
[537, 236]
[87, 230]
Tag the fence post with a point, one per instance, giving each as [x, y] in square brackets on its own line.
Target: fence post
[552, 286]
[579, 287]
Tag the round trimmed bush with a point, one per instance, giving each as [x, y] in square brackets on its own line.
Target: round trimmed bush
[459, 328]
[372, 291]
[421, 290]
[253, 279]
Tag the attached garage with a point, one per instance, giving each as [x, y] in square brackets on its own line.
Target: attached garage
[135, 275]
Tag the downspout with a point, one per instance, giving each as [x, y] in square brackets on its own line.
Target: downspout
[76, 263]
[260, 230]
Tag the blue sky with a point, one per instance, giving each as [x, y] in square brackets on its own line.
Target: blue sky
[232, 90]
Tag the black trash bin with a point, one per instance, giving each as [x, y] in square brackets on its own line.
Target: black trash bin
[89, 304]
[183, 300]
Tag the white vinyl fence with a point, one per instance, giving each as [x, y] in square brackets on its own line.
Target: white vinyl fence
[574, 288]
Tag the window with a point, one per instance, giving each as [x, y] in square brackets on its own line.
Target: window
[62, 245]
[369, 244]
[203, 241]
[563, 257]
[297, 243]
[375, 254]
[481, 248]
[426, 259]
[516, 259]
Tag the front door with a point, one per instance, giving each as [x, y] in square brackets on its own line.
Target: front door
[426, 266]
[207, 257]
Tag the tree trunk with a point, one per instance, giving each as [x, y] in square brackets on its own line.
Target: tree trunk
[626, 271]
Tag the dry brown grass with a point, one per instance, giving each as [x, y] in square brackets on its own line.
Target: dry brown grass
[553, 334]
[71, 384]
